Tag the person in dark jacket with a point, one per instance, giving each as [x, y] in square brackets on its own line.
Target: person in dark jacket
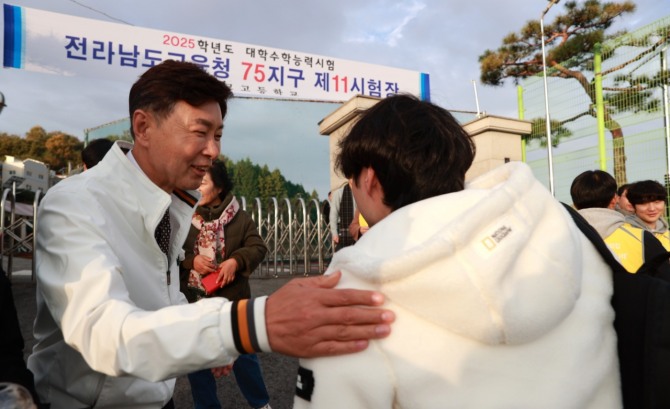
[223, 243]
[13, 369]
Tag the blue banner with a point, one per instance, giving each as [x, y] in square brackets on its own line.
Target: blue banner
[13, 36]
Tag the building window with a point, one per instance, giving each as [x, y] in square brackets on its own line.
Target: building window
[29, 173]
[40, 176]
[12, 172]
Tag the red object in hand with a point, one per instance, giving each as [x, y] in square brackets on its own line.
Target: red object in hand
[210, 284]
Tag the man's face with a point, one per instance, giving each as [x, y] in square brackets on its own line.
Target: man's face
[625, 204]
[182, 146]
[650, 212]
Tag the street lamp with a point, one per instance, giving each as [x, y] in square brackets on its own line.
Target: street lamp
[546, 99]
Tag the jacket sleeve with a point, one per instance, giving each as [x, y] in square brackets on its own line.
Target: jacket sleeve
[85, 287]
[252, 250]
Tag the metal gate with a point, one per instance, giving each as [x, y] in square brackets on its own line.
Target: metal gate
[17, 232]
[297, 236]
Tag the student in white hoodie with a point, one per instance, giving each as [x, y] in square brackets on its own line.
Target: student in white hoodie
[500, 301]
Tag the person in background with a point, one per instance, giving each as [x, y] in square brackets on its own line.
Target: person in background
[112, 328]
[325, 208]
[342, 207]
[594, 196]
[623, 205]
[95, 151]
[16, 378]
[501, 301]
[649, 199]
[98, 148]
[223, 241]
[358, 225]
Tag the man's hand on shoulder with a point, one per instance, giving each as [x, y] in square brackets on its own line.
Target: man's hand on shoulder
[307, 318]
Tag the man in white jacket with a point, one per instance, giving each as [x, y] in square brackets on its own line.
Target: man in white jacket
[500, 301]
[111, 329]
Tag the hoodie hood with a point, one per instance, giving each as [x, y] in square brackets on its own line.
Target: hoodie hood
[499, 262]
[604, 220]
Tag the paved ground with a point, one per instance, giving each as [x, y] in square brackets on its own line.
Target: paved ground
[279, 371]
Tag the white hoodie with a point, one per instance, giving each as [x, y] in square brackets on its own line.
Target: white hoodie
[501, 303]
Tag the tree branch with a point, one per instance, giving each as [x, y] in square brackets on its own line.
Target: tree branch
[638, 57]
[576, 117]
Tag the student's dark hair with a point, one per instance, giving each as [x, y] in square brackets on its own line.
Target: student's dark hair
[593, 188]
[220, 178]
[95, 151]
[417, 150]
[646, 191]
[622, 189]
[163, 85]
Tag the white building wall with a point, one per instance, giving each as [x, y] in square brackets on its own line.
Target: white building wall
[35, 173]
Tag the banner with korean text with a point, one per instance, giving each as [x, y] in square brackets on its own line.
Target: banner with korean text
[55, 43]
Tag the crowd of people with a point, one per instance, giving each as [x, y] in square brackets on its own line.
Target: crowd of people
[494, 296]
[631, 219]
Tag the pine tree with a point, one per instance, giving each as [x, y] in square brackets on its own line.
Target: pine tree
[570, 42]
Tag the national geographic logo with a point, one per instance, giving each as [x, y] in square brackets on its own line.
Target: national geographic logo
[492, 241]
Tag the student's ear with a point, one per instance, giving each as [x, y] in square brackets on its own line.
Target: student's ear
[371, 182]
[366, 179]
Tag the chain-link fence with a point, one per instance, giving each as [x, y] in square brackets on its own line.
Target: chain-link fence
[611, 116]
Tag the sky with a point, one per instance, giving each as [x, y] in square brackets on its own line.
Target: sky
[443, 38]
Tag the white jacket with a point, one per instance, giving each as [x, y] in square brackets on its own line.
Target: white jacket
[110, 330]
[501, 303]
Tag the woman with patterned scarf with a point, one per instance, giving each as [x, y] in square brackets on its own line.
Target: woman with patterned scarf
[224, 241]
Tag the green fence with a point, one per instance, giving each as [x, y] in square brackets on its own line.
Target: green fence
[615, 121]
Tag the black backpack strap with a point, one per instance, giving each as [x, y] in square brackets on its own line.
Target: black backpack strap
[641, 303]
[629, 300]
[595, 238]
[655, 257]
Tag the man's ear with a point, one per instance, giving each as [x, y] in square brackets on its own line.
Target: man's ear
[141, 122]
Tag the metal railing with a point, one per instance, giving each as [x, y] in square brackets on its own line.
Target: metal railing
[18, 234]
[297, 236]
